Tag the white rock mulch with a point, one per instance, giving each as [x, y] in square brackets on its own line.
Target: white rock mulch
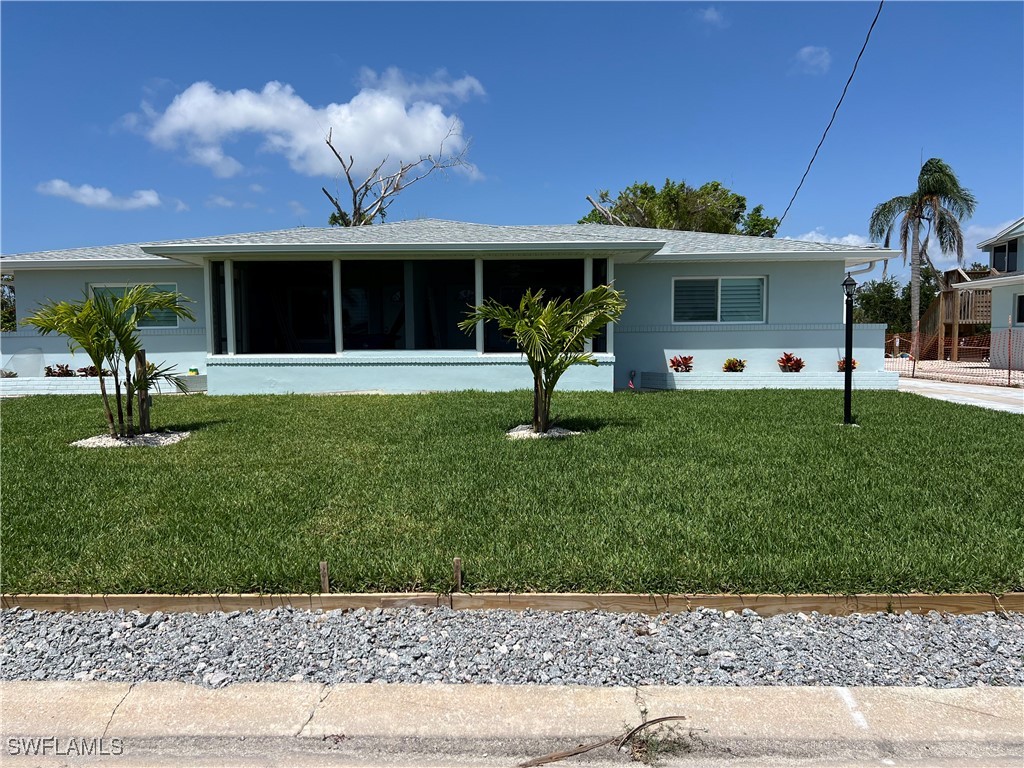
[525, 432]
[152, 440]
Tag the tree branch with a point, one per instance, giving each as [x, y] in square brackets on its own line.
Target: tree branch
[606, 212]
[373, 196]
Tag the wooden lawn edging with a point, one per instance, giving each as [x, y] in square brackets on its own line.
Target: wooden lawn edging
[765, 605]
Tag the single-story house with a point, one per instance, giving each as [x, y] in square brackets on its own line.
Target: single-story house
[1006, 257]
[375, 308]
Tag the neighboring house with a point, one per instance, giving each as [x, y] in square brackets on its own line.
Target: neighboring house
[1006, 257]
[375, 308]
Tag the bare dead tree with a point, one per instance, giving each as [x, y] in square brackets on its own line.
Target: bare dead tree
[636, 214]
[606, 212]
[371, 198]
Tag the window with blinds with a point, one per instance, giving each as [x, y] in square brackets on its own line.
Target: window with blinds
[718, 300]
[160, 319]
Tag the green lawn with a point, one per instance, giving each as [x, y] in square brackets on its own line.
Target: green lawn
[687, 491]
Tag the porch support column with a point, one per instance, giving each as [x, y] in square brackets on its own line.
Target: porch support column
[229, 303]
[610, 328]
[339, 344]
[208, 297]
[478, 299]
[588, 283]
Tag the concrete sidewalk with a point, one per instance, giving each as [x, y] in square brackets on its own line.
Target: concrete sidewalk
[1007, 399]
[306, 724]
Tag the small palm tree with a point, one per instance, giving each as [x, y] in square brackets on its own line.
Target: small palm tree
[121, 316]
[84, 327]
[941, 202]
[106, 328]
[552, 335]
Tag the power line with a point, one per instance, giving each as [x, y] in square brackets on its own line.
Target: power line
[834, 112]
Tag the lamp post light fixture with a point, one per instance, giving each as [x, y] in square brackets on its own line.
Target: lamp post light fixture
[849, 288]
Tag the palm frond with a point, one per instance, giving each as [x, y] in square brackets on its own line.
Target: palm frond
[884, 217]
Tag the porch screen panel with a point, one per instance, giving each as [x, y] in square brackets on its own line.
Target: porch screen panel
[694, 301]
[373, 304]
[443, 292]
[283, 308]
[742, 300]
[600, 272]
[219, 319]
[507, 281]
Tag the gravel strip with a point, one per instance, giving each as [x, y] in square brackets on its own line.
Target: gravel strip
[702, 647]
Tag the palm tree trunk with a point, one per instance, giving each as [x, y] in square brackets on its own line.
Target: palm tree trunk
[106, 403]
[130, 397]
[538, 403]
[915, 292]
[120, 407]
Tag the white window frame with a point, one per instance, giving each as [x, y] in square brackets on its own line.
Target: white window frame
[126, 286]
[1018, 298]
[718, 299]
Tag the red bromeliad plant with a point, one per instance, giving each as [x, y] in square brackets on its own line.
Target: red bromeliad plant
[734, 365]
[91, 370]
[59, 370]
[841, 365]
[790, 363]
[681, 363]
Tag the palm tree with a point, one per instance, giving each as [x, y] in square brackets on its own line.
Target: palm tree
[106, 327]
[941, 203]
[552, 335]
[83, 326]
[121, 316]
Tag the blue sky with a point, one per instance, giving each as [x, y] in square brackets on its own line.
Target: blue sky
[132, 122]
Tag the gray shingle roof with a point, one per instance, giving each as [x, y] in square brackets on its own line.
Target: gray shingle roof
[677, 242]
[93, 253]
[438, 232]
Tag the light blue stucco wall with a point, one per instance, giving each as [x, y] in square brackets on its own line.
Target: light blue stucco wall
[389, 372]
[804, 308]
[1007, 349]
[184, 346]
[804, 316]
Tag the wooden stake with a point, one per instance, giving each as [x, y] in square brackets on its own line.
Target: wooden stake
[457, 573]
[325, 582]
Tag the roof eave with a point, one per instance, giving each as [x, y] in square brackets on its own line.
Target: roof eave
[14, 265]
[849, 258]
[991, 282]
[1004, 235]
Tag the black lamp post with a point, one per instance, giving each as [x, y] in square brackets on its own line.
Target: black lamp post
[849, 288]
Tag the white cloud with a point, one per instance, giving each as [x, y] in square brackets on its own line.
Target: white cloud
[712, 16]
[219, 201]
[818, 235]
[100, 197]
[390, 116]
[298, 209]
[812, 60]
[256, 188]
[439, 87]
[974, 234]
[180, 206]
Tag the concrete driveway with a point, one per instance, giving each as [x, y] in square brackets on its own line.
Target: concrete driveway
[997, 398]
